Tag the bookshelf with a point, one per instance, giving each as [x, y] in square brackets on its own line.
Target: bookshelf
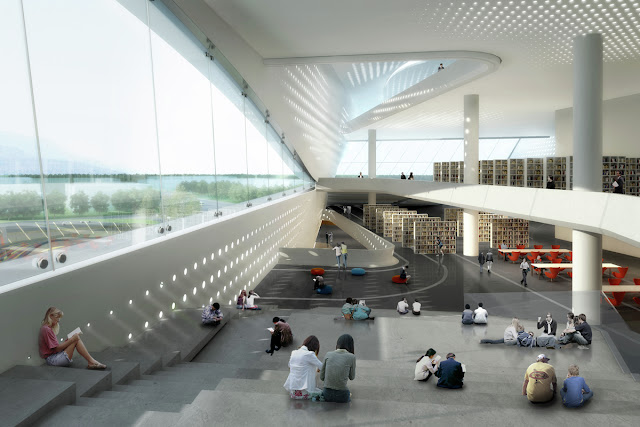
[535, 173]
[388, 220]
[631, 181]
[501, 172]
[426, 232]
[611, 164]
[514, 231]
[456, 172]
[367, 214]
[379, 221]
[445, 171]
[437, 172]
[407, 227]
[556, 167]
[396, 224]
[486, 172]
[516, 172]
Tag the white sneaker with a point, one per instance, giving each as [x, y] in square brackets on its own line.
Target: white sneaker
[583, 347]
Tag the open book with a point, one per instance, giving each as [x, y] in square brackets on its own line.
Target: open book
[271, 330]
[75, 331]
[437, 359]
[464, 368]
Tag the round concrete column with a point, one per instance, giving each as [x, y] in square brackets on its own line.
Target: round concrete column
[471, 136]
[372, 162]
[587, 170]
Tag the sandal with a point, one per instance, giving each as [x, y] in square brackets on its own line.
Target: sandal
[97, 366]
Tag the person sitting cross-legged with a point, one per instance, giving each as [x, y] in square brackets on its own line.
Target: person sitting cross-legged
[403, 306]
[575, 392]
[480, 315]
[581, 333]
[347, 309]
[467, 315]
[361, 311]
[540, 381]
[211, 315]
[426, 366]
[450, 373]
[303, 365]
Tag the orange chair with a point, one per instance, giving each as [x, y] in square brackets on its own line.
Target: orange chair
[568, 256]
[556, 260]
[570, 274]
[514, 256]
[622, 271]
[636, 281]
[533, 256]
[537, 246]
[552, 273]
[617, 296]
[552, 255]
[397, 279]
[636, 300]
[604, 269]
[317, 272]
[519, 246]
[555, 246]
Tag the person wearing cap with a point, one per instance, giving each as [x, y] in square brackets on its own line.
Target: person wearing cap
[540, 381]
[450, 373]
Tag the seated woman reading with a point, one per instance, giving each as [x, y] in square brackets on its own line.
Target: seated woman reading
[57, 353]
[360, 311]
[303, 365]
[281, 335]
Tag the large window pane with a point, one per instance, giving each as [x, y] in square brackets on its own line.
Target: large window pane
[94, 101]
[257, 155]
[185, 132]
[23, 240]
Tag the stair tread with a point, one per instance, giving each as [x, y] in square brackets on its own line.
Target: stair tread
[25, 400]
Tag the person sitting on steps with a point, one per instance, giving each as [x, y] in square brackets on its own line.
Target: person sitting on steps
[211, 315]
[467, 315]
[403, 306]
[510, 334]
[480, 315]
[416, 306]
[281, 335]
[348, 309]
[426, 366]
[61, 353]
[361, 311]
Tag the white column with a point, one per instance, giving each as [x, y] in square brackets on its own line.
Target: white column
[587, 170]
[372, 162]
[471, 134]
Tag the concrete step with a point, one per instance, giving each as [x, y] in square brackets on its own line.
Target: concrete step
[179, 393]
[159, 419]
[121, 371]
[26, 400]
[83, 416]
[87, 381]
[133, 394]
[221, 408]
[140, 401]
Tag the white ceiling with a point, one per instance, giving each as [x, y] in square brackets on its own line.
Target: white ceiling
[533, 38]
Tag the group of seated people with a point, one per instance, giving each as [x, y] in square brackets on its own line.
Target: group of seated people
[450, 372]
[403, 307]
[478, 317]
[356, 310]
[577, 330]
[540, 384]
[247, 302]
[337, 368]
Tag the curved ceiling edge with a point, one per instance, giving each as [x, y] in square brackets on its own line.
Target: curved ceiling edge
[377, 57]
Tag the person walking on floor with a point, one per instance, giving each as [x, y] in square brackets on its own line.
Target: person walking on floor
[524, 266]
[489, 260]
[575, 392]
[439, 246]
[338, 250]
[481, 260]
[618, 184]
[331, 238]
[343, 249]
[326, 235]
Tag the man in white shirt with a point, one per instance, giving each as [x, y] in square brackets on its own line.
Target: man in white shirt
[480, 315]
[403, 306]
[524, 266]
[338, 250]
[416, 307]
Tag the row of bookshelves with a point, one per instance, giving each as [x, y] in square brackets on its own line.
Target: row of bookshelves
[426, 236]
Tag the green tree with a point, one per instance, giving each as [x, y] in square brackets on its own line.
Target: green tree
[100, 202]
[150, 200]
[79, 203]
[126, 200]
[180, 204]
[56, 202]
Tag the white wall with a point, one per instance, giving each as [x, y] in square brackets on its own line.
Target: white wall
[250, 240]
[620, 128]
[309, 117]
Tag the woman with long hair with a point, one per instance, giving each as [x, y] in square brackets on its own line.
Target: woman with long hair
[242, 300]
[303, 365]
[57, 353]
[426, 365]
[338, 367]
[510, 334]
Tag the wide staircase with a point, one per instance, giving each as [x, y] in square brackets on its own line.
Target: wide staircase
[233, 382]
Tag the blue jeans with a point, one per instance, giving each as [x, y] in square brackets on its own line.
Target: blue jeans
[573, 337]
[500, 341]
[585, 397]
[345, 260]
[338, 258]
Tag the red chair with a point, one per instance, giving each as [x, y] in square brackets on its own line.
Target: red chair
[636, 281]
[604, 269]
[570, 274]
[622, 271]
[555, 246]
[552, 255]
[636, 300]
[617, 296]
[533, 256]
[537, 246]
[514, 256]
[519, 246]
[317, 272]
[556, 260]
[397, 279]
[568, 256]
[552, 273]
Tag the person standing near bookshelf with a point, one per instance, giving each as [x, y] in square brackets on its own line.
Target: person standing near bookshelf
[550, 184]
[618, 184]
[439, 246]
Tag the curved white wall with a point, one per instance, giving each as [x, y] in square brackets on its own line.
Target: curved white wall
[219, 260]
